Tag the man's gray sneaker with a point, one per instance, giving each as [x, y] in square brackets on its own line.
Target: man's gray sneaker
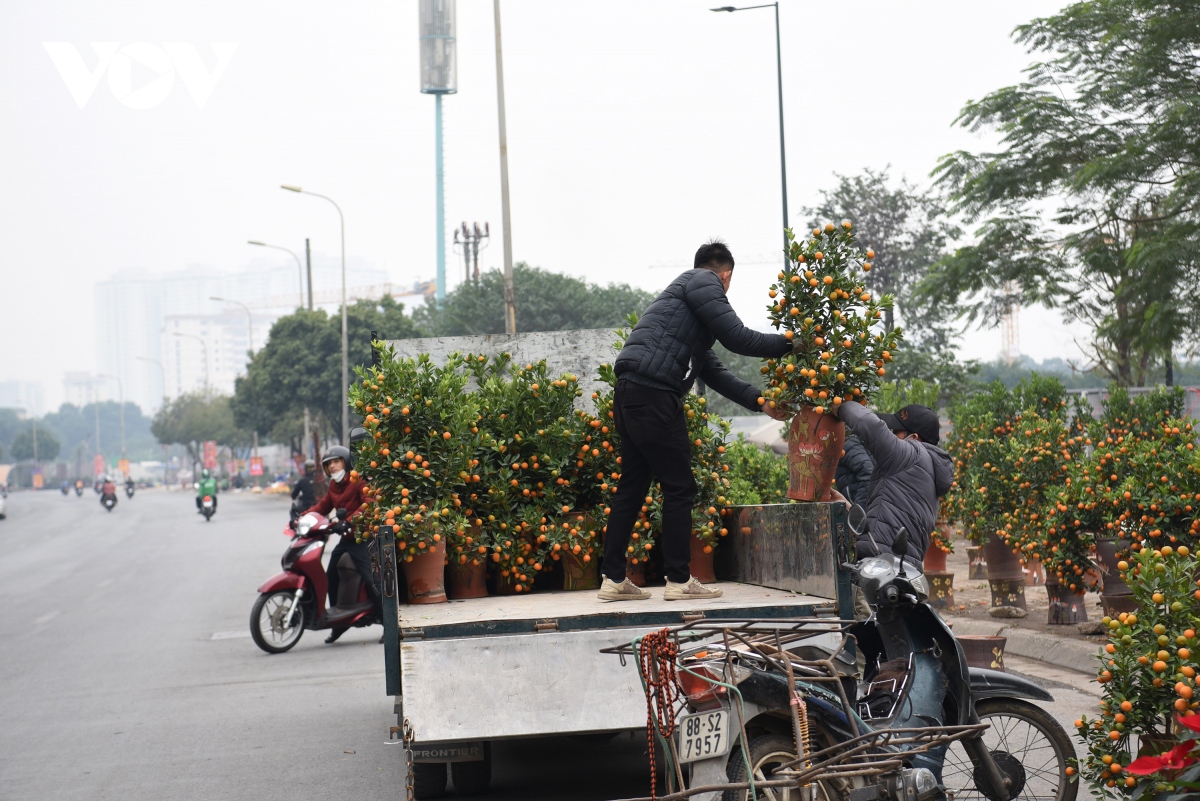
[692, 590]
[625, 591]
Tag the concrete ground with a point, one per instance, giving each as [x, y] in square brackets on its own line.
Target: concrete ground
[127, 671]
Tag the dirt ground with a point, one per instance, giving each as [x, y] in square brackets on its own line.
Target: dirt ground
[973, 599]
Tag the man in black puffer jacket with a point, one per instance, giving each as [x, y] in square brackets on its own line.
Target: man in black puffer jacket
[669, 348]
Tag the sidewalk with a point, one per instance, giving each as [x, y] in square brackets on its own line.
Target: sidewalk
[1031, 636]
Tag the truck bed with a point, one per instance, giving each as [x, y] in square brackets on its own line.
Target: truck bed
[519, 666]
[576, 611]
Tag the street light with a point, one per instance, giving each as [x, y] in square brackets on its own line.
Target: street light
[121, 389]
[345, 335]
[293, 255]
[249, 319]
[779, 79]
[202, 344]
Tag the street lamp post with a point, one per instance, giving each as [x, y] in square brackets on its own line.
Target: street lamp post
[510, 294]
[294, 256]
[249, 319]
[345, 335]
[163, 373]
[121, 390]
[779, 82]
[203, 344]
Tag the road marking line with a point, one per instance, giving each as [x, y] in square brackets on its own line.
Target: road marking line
[229, 635]
[46, 618]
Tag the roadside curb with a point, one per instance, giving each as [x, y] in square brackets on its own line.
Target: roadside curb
[1061, 652]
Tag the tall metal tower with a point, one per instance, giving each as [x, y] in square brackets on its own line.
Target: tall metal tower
[439, 76]
[1010, 327]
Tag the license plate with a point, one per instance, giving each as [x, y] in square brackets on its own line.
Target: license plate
[703, 735]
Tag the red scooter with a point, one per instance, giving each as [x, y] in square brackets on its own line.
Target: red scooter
[294, 600]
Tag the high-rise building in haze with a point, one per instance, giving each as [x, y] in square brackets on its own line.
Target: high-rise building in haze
[137, 316]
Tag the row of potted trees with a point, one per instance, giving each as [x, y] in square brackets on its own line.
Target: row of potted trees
[1038, 478]
[507, 486]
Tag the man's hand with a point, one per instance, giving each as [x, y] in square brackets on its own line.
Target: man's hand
[834, 495]
[779, 412]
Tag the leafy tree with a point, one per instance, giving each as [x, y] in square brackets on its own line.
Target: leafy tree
[546, 301]
[1103, 130]
[301, 365]
[48, 445]
[76, 425]
[196, 417]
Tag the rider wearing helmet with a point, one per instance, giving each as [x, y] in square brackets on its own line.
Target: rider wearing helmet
[345, 492]
[207, 486]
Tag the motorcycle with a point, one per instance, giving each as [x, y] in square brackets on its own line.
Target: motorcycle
[294, 600]
[882, 709]
[208, 507]
[65, 489]
[128, 490]
[108, 501]
[78, 489]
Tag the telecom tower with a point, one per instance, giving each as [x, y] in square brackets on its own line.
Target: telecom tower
[1010, 327]
[439, 76]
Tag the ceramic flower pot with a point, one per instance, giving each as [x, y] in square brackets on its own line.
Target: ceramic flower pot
[467, 580]
[814, 448]
[701, 564]
[425, 575]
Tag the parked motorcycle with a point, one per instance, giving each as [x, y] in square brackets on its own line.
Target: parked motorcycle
[789, 707]
[208, 507]
[294, 600]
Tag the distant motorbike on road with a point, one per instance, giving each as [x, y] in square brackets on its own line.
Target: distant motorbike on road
[66, 489]
[294, 600]
[208, 507]
[79, 489]
[108, 496]
[129, 489]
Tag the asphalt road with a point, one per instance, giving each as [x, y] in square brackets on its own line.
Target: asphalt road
[127, 671]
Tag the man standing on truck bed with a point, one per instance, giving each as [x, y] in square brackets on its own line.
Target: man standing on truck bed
[669, 348]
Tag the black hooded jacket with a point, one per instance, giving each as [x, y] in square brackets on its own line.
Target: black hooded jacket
[671, 346]
[909, 478]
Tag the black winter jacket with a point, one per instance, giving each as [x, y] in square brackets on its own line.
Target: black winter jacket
[854, 471]
[672, 343]
[908, 479]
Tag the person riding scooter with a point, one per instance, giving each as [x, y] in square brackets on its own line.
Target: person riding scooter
[344, 493]
[207, 486]
[129, 487]
[304, 496]
[108, 493]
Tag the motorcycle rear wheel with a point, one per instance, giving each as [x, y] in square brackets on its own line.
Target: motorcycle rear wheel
[767, 752]
[266, 622]
[1032, 736]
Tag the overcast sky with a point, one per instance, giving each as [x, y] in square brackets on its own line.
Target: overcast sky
[636, 131]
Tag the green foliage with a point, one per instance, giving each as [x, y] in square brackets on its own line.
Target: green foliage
[76, 427]
[196, 417]
[301, 364]
[1103, 130]
[820, 303]
[756, 475]
[22, 445]
[545, 300]
[1147, 673]
[416, 462]
[895, 395]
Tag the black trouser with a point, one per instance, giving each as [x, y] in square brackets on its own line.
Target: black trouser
[654, 441]
[362, 560]
[214, 500]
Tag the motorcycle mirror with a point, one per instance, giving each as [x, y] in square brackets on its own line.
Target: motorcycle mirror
[857, 519]
[358, 434]
[900, 545]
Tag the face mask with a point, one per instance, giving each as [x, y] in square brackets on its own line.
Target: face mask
[338, 476]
